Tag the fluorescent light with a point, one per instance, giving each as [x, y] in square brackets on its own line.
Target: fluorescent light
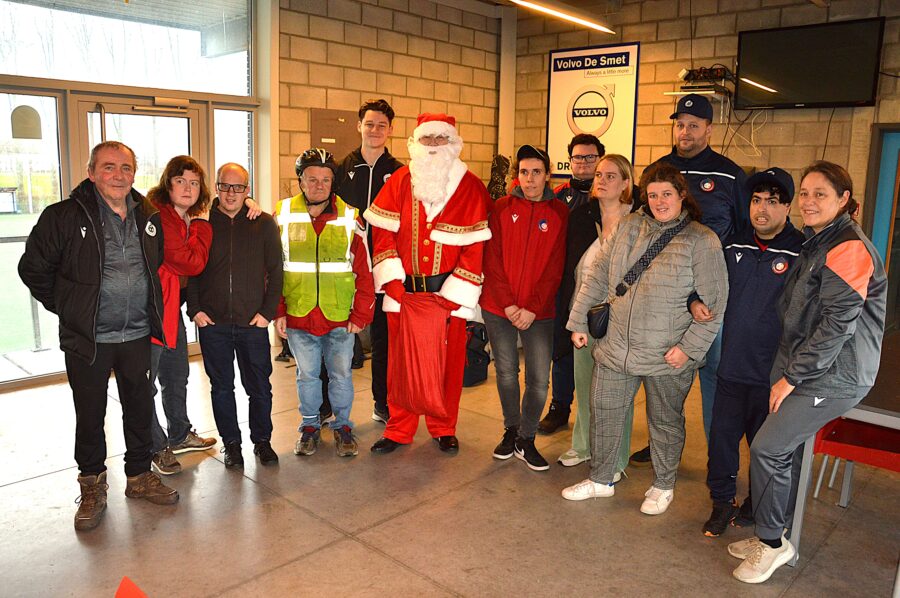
[699, 92]
[557, 11]
[759, 85]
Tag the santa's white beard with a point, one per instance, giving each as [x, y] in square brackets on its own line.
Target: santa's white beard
[429, 166]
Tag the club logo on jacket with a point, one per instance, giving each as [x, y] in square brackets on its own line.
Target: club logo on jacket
[817, 400]
[387, 176]
[350, 174]
[738, 256]
[707, 185]
[151, 230]
[543, 226]
[779, 265]
[514, 218]
[83, 231]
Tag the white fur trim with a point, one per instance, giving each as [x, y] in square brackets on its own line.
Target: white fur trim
[386, 271]
[435, 127]
[463, 312]
[390, 306]
[380, 221]
[460, 239]
[457, 171]
[461, 291]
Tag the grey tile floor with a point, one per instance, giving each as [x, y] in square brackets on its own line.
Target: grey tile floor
[413, 523]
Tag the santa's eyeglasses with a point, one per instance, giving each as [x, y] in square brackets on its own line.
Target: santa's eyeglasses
[434, 140]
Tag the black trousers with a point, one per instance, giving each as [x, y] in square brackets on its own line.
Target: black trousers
[379, 333]
[89, 382]
[739, 410]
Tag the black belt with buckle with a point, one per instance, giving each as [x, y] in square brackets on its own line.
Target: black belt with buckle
[419, 283]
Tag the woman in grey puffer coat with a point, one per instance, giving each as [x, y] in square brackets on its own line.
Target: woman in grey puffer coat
[652, 338]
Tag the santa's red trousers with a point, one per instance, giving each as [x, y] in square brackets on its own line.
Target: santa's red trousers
[401, 426]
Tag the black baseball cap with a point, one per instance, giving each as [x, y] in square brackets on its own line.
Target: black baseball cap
[530, 151]
[695, 105]
[774, 176]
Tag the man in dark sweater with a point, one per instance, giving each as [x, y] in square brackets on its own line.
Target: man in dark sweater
[360, 177]
[232, 302]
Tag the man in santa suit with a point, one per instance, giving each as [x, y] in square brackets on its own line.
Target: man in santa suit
[430, 225]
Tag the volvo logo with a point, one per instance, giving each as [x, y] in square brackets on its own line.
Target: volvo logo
[591, 110]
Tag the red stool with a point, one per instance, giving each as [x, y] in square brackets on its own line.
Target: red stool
[855, 442]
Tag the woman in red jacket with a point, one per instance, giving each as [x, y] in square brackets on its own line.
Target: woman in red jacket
[183, 199]
[523, 264]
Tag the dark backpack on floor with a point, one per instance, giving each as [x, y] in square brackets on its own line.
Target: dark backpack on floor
[477, 357]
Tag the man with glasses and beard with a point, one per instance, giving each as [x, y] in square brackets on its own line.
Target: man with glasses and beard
[430, 224]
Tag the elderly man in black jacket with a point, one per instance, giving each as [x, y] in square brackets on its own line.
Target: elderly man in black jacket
[92, 260]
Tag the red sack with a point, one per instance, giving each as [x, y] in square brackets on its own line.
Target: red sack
[416, 371]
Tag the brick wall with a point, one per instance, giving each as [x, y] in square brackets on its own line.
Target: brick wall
[419, 55]
[787, 138]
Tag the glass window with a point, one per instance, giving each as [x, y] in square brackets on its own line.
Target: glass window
[197, 46]
[233, 133]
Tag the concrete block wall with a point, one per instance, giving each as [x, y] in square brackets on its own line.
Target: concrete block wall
[421, 56]
[787, 138]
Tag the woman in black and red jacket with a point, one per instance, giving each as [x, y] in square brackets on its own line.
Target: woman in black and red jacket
[523, 264]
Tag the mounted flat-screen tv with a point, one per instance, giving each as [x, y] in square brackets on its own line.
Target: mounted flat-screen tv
[813, 66]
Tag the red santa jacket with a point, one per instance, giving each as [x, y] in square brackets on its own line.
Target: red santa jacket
[407, 240]
[185, 253]
[523, 261]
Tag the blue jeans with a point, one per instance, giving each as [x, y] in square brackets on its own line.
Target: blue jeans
[537, 344]
[708, 380]
[170, 366]
[220, 344]
[336, 348]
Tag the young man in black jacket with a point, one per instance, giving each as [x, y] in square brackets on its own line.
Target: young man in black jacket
[360, 177]
[232, 302]
[92, 260]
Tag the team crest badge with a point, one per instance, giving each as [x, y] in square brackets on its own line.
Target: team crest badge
[779, 265]
[150, 229]
[707, 185]
[386, 177]
[689, 103]
[543, 226]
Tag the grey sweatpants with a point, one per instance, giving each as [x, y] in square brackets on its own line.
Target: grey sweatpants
[775, 457]
[612, 397]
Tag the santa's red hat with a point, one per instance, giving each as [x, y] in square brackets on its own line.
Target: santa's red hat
[435, 124]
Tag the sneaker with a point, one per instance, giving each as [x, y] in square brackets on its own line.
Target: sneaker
[308, 442]
[722, 514]
[149, 486]
[744, 518]
[193, 442]
[640, 458]
[742, 548]
[656, 501]
[344, 442]
[557, 417]
[233, 456]
[571, 458]
[507, 445]
[524, 450]
[263, 450]
[164, 462]
[325, 418]
[92, 502]
[380, 414]
[588, 489]
[763, 560]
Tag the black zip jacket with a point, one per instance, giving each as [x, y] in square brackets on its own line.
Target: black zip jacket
[63, 265]
[832, 312]
[358, 184]
[244, 273]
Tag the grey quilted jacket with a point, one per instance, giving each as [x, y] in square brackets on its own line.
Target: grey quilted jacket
[652, 316]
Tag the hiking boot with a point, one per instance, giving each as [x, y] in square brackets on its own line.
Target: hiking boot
[656, 501]
[557, 417]
[164, 462]
[381, 414]
[507, 445]
[193, 442]
[722, 514]
[344, 442]
[263, 450]
[92, 502]
[744, 518]
[763, 560]
[571, 458]
[524, 450]
[641, 458]
[308, 442]
[233, 456]
[586, 489]
[149, 486]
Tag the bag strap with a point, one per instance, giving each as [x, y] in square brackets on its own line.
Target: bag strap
[655, 248]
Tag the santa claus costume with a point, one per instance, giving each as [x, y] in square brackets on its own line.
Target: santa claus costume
[430, 223]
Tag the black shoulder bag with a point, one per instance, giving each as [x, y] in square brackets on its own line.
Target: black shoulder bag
[598, 316]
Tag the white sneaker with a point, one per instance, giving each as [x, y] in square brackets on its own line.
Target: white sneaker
[762, 561]
[571, 458]
[742, 548]
[588, 489]
[657, 501]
